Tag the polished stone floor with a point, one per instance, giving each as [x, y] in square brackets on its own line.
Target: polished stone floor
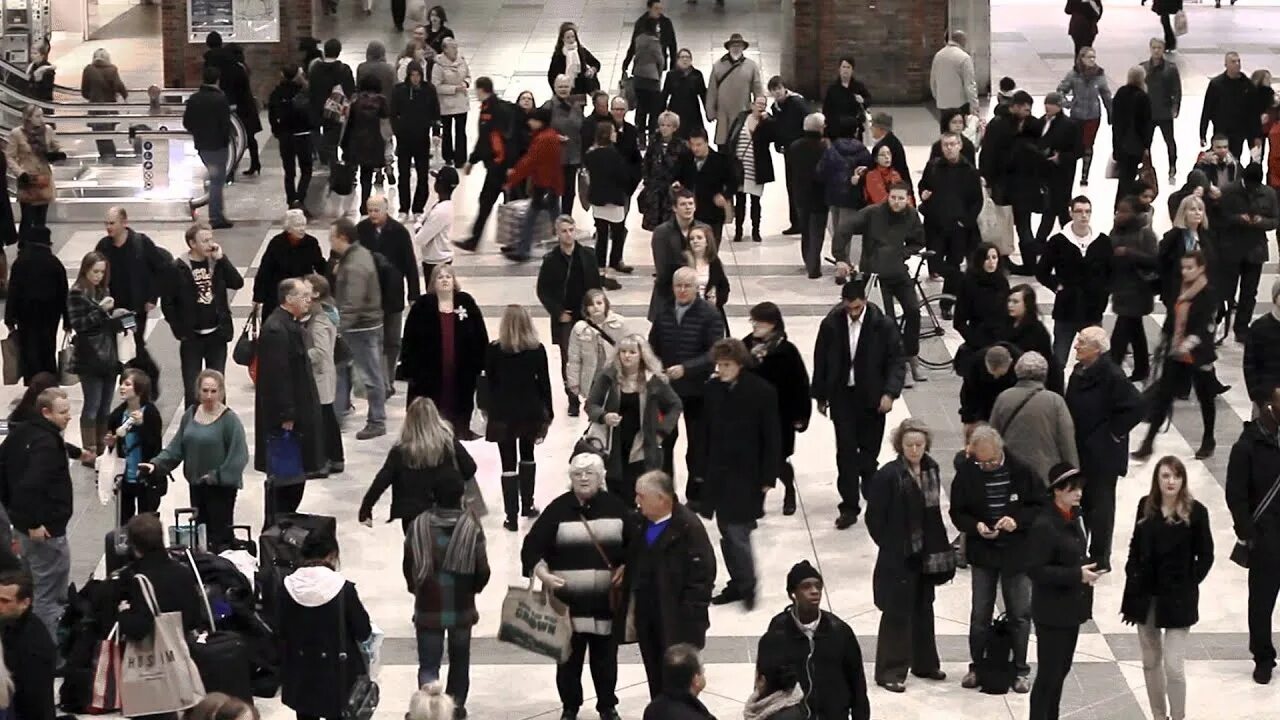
[511, 41]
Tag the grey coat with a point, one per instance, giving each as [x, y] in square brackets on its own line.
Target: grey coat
[660, 408]
[1086, 95]
[321, 337]
[1164, 86]
[649, 61]
[566, 119]
[355, 289]
[730, 91]
[1042, 434]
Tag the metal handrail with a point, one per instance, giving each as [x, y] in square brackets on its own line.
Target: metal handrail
[8, 68]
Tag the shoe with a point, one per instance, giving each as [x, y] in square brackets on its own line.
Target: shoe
[1221, 389]
[513, 253]
[755, 236]
[335, 467]
[531, 512]
[253, 171]
[815, 275]
[459, 713]
[222, 224]
[970, 680]
[913, 364]
[1173, 174]
[371, 431]
[1084, 182]
[893, 687]
[1022, 685]
[791, 231]
[510, 524]
[1207, 446]
[1262, 675]
[609, 283]
[749, 602]
[610, 714]
[1137, 377]
[391, 392]
[846, 521]
[936, 675]
[789, 501]
[566, 715]
[469, 244]
[623, 268]
[726, 597]
[737, 235]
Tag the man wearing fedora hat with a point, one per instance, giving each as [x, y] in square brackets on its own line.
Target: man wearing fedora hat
[735, 83]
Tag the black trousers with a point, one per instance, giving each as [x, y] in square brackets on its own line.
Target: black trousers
[1127, 169]
[1166, 132]
[1170, 37]
[604, 672]
[397, 13]
[904, 291]
[414, 156]
[610, 254]
[1131, 332]
[1264, 585]
[1057, 201]
[495, 176]
[295, 155]
[1175, 378]
[1246, 275]
[38, 347]
[453, 139]
[813, 235]
[366, 186]
[793, 212]
[216, 508]
[692, 416]
[1054, 649]
[1099, 510]
[570, 189]
[32, 216]
[279, 500]
[1027, 244]
[197, 353]
[906, 640]
[137, 498]
[652, 647]
[648, 107]
[332, 434]
[859, 433]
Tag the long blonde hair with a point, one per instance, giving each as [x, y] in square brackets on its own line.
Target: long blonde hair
[516, 332]
[649, 363]
[426, 439]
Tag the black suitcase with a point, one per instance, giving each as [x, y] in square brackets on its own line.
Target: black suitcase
[223, 661]
[280, 546]
[115, 543]
[245, 543]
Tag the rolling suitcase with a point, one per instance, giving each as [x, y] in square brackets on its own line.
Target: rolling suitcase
[221, 656]
[280, 546]
[116, 543]
[510, 219]
[188, 534]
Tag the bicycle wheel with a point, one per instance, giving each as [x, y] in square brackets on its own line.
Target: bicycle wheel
[934, 353]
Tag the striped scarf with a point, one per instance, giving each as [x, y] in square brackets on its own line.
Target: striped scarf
[459, 555]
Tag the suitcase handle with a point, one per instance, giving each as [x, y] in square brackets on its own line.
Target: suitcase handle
[179, 512]
[248, 531]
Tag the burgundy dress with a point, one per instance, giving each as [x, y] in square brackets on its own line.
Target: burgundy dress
[448, 398]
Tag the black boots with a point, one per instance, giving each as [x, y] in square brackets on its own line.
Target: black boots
[528, 471]
[1209, 415]
[510, 500]
[1086, 163]
[755, 219]
[788, 477]
[739, 216]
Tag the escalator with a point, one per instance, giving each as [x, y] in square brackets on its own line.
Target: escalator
[135, 155]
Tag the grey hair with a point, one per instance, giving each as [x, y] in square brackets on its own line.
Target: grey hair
[815, 122]
[295, 220]
[619, 99]
[588, 462]
[984, 433]
[1095, 336]
[430, 703]
[101, 55]
[668, 116]
[1032, 366]
[684, 272]
[997, 357]
[564, 78]
[658, 482]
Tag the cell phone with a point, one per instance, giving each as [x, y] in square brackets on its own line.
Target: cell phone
[129, 322]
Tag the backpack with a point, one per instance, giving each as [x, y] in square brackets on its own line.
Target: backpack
[995, 668]
[391, 281]
[335, 106]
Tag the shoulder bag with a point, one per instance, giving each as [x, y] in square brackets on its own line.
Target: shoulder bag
[1017, 410]
[607, 338]
[615, 591]
[1242, 550]
[363, 699]
[246, 348]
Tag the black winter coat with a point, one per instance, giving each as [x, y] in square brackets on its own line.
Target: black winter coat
[1167, 562]
[682, 94]
[677, 705]
[1065, 139]
[761, 140]
[413, 111]
[37, 288]
[311, 683]
[236, 84]
[1131, 125]
[687, 343]
[554, 276]
[829, 669]
[207, 117]
[1261, 357]
[286, 391]
[1252, 469]
[804, 185]
[1056, 551]
[175, 587]
[1010, 160]
[394, 244]
[179, 303]
[148, 269]
[783, 367]
[840, 106]
[38, 478]
[981, 307]
[979, 389]
[283, 118]
[898, 577]
[582, 85]
[682, 565]
[1200, 323]
[363, 143]
[612, 179]
[740, 446]
[1132, 274]
[1083, 278]
[1246, 242]
[30, 655]
[323, 76]
[413, 489]
[1008, 551]
[1169, 261]
[1104, 406]
[879, 366]
[1227, 105]
[955, 195]
[717, 177]
[282, 260]
[420, 351]
[519, 394]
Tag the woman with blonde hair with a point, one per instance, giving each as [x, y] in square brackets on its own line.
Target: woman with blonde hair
[430, 703]
[1190, 231]
[592, 342]
[32, 146]
[326, 361]
[519, 408]
[426, 455]
[1170, 555]
[634, 402]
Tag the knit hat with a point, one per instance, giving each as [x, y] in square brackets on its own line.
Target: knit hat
[1054, 98]
[800, 572]
[1061, 472]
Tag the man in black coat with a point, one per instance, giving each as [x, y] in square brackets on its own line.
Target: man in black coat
[287, 404]
[37, 302]
[711, 177]
[671, 570]
[627, 142]
[568, 271]
[1075, 266]
[382, 234]
[683, 679]
[196, 306]
[173, 582]
[655, 19]
[836, 687]
[1250, 211]
[1261, 350]
[291, 124]
[807, 193]
[207, 117]
[950, 201]
[1227, 104]
[682, 337]
[29, 652]
[495, 147]
[1061, 145]
[788, 112]
[415, 108]
[858, 371]
[669, 242]
[1010, 163]
[327, 73]
[984, 380]
[1105, 406]
[741, 448]
[139, 269]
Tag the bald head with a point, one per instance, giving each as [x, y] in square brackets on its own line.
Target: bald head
[117, 224]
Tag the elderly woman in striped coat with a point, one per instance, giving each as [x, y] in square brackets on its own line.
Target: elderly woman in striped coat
[577, 548]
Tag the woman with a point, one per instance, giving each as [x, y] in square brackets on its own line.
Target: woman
[1085, 86]
[573, 61]
[954, 121]
[1167, 9]
[134, 430]
[1133, 268]
[238, 87]
[703, 256]
[36, 302]
[1083, 27]
[847, 101]
[414, 54]
[609, 194]
[428, 455]
[32, 146]
[320, 668]
[452, 79]
[211, 447]
[647, 65]
[322, 350]
[291, 253]
[363, 143]
[100, 83]
[778, 361]
[566, 119]
[877, 180]
[982, 301]
[1027, 332]
[750, 136]
[904, 519]
[1131, 130]
[519, 408]
[592, 342]
[1187, 351]
[663, 162]
[521, 136]
[91, 314]
[684, 93]
[836, 169]
[633, 399]
[446, 567]
[40, 73]
[1260, 103]
[1190, 232]
[777, 695]
[1170, 555]
[443, 350]
[437, 29]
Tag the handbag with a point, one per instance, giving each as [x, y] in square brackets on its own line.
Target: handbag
[627, 89]
[472, 498]
[534, 620]
[584, 188]
[1180, 23]
[246, 348]
[995, 224]
[615, 591]
[67, 362]
[34, 188]
[1113, 169]
[479, 421]
[1241, 551]
[157, 674]
[105, 695]
[363, 700]
[12, 355]
[597, 438]
[284, 456]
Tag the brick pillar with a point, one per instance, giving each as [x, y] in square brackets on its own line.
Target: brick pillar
[184, 60]
[893, 42]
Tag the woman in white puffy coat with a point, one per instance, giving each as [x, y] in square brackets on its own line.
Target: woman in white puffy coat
[591, 341]
[452, 79]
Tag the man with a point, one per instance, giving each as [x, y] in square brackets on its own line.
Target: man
[681, 337]
[358, 295]
[568, 271]
[415, 107]
[858, 371]
[375, 65]
[1164, 87]
[1104, 406]
[172, 581]
[29, 651]
[1060, 144]
[835, 687]
[286, 401]
[599, 113]
[711, 177]
[1251, 472]
[741, 459]
[1010, 163]
[541, 165]
[683, 679]
[950, 201]
[984, 381]
[139, 269]
[1262, 351]
[671, 569]
[882, 134]
[994, 499]
[197, 308]
[326, 74]
[493, 148]
[951, 77]
[384, 236]
[290, 119]
[806, 191]
[732, 86]
[891, 232]
[1227, 104]
[669, 242]
[656, 20]
[1219, 165]
[1075, 267]
[207, 117]
[1250, 211]
[1035, 423]
[789, 112]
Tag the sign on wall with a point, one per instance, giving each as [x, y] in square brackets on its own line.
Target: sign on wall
[241, 21]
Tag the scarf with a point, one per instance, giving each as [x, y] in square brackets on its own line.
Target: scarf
[36, 138]
[927, 536]
[459, 556]
[762, 708]
[572, 64]
[1181, 310]
[761, 348]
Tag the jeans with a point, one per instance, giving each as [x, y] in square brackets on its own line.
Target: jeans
[648, 107]
[906, 640]
[392, 330]
[495, 176]
[410, 156]
[904, 291]
[197, 353]
[859, 434]
[604, 672]
[453, 141]
[844, 248]
[216, 508]
[49, 562]
[366, 356]
[1055, 647]
[431, 645]
[735, 545]
[296, 149]
[1099, 507]
[541, 201]
[1164, 653]
[215, 166]
[1016, 588]
[1129, 331]
[98, 392]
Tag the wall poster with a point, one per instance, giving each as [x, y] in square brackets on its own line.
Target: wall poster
[241, 21]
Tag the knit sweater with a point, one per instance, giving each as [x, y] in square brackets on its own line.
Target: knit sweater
[213, 454]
